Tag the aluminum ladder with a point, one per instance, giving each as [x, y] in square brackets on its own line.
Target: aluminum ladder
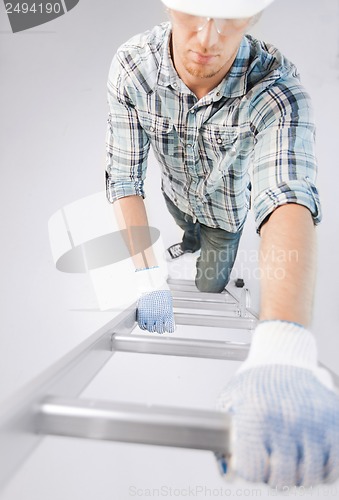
[50, 404]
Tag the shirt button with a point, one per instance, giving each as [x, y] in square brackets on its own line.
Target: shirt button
[217, 94]
[152, 129]
[175, 84]
[189, 146]
[192, 111]
[219, 141]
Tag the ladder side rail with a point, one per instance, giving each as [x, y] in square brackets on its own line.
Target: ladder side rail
[68, 377]
[240, 302]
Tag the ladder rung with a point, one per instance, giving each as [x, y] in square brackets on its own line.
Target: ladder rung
[181, 282]
[202, 297]
[199, 297]
[206, 306]
[195, 319]
[133, 423]
[171, 346]
[192, 289]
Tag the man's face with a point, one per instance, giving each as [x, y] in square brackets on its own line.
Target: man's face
[199, 49]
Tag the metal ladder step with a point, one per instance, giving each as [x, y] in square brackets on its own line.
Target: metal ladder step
[171, 346]
[132, 423]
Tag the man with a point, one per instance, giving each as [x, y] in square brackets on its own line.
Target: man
[228, 121]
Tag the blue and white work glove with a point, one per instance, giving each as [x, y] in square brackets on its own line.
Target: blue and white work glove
[285, 411]
[155, 304]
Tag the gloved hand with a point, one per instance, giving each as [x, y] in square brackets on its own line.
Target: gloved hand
[155, 305]
[285, 408]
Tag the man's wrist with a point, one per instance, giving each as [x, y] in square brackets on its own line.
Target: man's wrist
[278, 342]
[282, 342]
[150, 279]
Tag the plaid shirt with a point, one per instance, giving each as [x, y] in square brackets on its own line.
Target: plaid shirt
[250, 138]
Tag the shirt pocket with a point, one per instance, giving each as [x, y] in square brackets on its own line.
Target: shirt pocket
[162, 136]
[227, 150]
[218, 139]
[217, 151]
[218, 148]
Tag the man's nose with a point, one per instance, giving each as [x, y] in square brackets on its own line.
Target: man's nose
[208, 35]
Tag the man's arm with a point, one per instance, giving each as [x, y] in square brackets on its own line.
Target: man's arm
[127, 147]
[288, 265]
[284, 407]
[155, 307]
[131, 216]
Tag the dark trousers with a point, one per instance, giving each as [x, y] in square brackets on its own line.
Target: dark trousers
[218, 250]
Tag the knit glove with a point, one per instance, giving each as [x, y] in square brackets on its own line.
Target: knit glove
[155, 305]
[285, 408]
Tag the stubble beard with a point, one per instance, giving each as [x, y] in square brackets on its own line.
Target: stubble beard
[201, 72]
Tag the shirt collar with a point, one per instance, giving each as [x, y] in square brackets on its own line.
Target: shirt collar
[166, 72]
[235, 82]
[233, 85]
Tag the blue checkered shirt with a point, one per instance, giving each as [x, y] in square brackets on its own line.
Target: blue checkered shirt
[250, 141]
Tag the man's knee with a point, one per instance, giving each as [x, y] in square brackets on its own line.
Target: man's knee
[212, 278]
[210, 286]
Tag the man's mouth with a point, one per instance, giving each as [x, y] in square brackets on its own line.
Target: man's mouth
[203, 58]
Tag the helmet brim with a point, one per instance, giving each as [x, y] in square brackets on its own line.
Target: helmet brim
[230, 9]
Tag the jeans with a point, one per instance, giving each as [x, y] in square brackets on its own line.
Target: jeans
[218, 250]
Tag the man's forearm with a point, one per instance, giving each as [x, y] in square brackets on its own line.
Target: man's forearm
[288, 265]
[131, 217]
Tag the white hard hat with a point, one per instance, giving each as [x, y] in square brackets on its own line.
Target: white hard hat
[230, 9]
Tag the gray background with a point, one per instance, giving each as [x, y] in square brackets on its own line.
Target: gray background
[53, 113]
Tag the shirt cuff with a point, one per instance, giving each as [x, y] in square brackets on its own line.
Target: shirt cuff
[121, 189]
[302, 192]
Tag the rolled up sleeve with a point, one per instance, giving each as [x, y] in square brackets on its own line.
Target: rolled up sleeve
[127, 144]
[284, 161]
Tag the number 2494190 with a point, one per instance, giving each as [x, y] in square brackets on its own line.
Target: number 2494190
[35, 8]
